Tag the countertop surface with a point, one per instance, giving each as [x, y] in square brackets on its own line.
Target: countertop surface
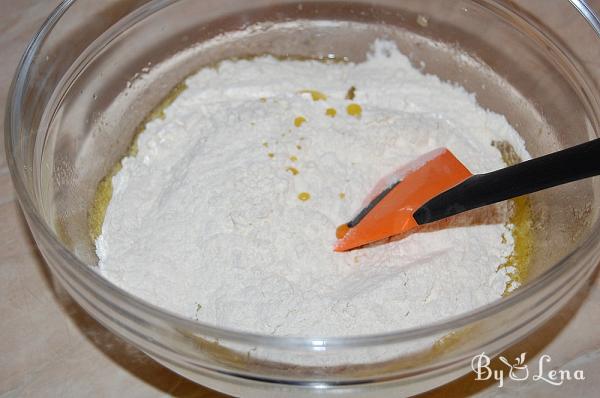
[50, 347]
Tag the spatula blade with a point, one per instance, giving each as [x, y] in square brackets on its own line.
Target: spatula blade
[388, 210]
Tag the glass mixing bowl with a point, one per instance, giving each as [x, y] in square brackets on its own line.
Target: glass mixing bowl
[95, 70]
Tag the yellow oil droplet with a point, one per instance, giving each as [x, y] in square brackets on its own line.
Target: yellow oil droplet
[266, 144]
[299, 147]
[331, 112]
[263, 99]
[271, 155]
[354, 110]
[292, 170]
[304, 196]
[294, 158]
[299, 120]
[342, 195]
[341, 231]
[316, 95]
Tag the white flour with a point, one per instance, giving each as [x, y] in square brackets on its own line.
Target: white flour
[206, 220]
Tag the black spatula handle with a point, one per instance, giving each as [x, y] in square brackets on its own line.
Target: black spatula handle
[533, 175]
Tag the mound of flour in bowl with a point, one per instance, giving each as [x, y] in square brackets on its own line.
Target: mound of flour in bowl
[227, 213]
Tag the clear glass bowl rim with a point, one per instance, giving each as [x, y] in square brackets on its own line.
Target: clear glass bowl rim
[94, 279]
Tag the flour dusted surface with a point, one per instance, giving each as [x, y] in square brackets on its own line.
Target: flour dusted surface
[207, 221]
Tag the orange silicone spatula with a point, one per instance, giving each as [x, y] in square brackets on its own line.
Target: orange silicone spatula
[388, 210]
[437, 185]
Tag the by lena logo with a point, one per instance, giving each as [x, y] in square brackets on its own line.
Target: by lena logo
[519, 371]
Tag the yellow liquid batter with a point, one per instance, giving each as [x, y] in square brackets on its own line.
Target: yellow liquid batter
[522, 227]
[104, 190]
